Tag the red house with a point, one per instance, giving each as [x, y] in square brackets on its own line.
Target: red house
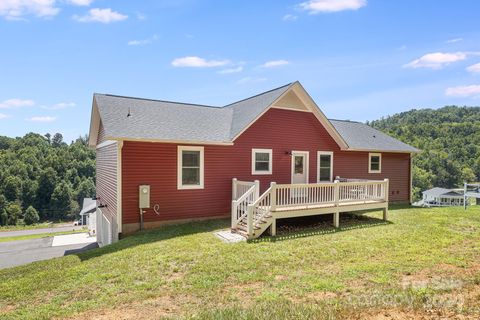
[267, 157]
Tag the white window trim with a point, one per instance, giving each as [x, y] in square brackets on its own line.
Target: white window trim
[180, 149]
[321, 153]
[370, 155]
[307, 164]
[270, 162]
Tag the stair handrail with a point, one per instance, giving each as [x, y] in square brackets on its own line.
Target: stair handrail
[252, 208]
[244, 200]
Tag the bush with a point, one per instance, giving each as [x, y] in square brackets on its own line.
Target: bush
[31, 216]
[14, 212]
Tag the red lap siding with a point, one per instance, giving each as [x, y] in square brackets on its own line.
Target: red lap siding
[155, 164]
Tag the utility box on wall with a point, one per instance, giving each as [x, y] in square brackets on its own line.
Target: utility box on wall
[144, 196]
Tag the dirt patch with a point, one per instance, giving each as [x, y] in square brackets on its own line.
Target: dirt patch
[442, 277]
[7, 309]
[149, 309]
[398, 314]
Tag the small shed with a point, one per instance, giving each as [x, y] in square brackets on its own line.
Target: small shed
[88, 214]
[441, 197]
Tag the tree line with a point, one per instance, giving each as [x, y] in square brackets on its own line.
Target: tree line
[449, 138]
[42, 178]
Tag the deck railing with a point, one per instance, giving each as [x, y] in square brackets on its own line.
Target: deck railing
[303, 196]
[240, 187]
[243, 193]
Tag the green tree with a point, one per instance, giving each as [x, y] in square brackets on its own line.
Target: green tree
[14, 213]
[86, 189]
[31, 216]
[61, 201]
[13, 188]
[3, 213]
[46, 185]
[57, 140]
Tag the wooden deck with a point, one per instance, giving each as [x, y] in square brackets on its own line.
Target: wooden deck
[253, 214]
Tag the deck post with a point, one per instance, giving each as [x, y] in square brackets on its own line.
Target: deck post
[257, 189]
[336, 219]
[234, 189]
[336, 214]
[336, 192]
[273, 196]
[250, 208]
[234, 213]
[387, 191]
[273, 227]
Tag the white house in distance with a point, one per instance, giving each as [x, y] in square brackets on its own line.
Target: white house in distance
[88, 214]
[441, 197]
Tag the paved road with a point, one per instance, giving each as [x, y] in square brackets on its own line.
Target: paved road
[4, 234]
[15, 253]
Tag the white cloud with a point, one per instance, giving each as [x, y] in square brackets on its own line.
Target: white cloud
[251, 80]
[454, 40]
[197, 62]
[16, 9]
[475, 68]
[464, 91]
[275, 63]
[16, 103]
[436, 60]
[143, 42]
[231, 70]
[42, 119]
[319, 6]
[59, 106]
[80, 2]
[101, 15]
[289, 17]
[3, 116]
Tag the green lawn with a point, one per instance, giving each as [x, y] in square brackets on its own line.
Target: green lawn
[425, 263]
[41, 235]
[33, 226]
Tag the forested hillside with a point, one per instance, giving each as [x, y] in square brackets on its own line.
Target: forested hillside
[450, 142]
[44, 178]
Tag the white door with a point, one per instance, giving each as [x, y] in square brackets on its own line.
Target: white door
[299, 172]
[299, 167]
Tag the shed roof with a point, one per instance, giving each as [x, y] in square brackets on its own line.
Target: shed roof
[132, 118]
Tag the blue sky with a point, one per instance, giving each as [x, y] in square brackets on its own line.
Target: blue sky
[359, 59]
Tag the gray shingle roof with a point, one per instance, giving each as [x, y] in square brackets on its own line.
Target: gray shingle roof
[174, 121]
[154, 120]
[437, 192]
[360, 136]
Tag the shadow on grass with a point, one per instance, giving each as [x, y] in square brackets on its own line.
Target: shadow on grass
[347, 222]
[155, 235]
[186, 229]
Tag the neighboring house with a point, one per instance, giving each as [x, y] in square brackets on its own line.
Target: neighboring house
[188, 155]
[88, 214]
[441, 197]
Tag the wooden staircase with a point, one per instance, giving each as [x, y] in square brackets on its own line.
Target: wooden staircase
[262, 219]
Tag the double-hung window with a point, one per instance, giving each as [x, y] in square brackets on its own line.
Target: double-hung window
[190, 167]
[374, 163]
[261, 161]
[325, 166]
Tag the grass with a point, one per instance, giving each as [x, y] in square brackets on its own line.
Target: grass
[424, 260]
[33, 226]
[38, 236]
